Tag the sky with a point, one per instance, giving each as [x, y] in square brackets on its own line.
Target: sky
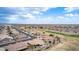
[39, 15]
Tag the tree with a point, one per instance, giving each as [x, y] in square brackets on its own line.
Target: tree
[51, 35]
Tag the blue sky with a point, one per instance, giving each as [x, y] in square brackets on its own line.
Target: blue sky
[39, 15]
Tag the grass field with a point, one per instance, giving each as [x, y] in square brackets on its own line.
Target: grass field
[71, 42]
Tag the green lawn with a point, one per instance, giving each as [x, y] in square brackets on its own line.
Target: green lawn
[67, 36]
[61, 33]
[72, 43]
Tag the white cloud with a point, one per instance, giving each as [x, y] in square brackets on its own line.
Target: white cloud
[70, 9]
[61, 17]
[71, 15]
[76, 15]
[45, 9]
[46, 20]
[17, 18]
[12, 18]
[24, 10]
[36, 12]
[29, 12]
[29, 16]
[39, 10]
